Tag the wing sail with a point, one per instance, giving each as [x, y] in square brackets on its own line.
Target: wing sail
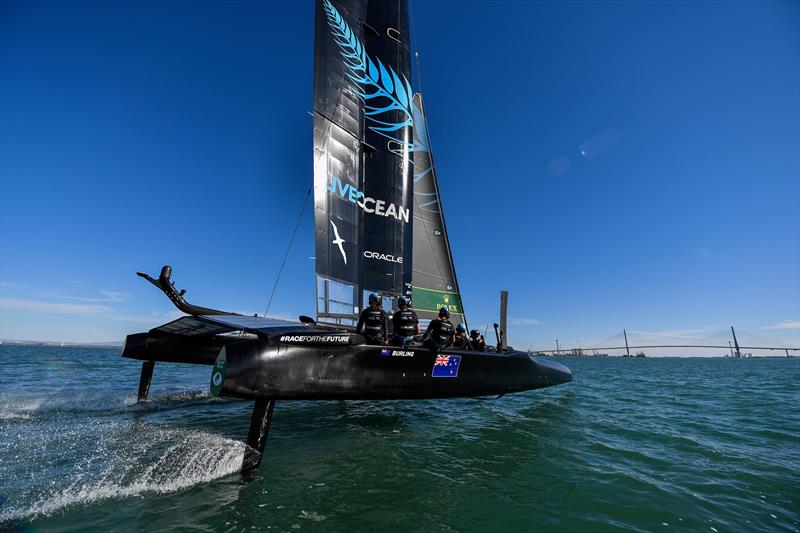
[434, 278]
[363, 137]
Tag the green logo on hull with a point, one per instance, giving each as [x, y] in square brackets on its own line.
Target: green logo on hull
[218, 373]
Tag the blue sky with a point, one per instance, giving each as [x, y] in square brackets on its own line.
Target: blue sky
[613, 165]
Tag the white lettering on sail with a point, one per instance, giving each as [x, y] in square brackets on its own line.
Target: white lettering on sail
[383, 257]
[348, 193]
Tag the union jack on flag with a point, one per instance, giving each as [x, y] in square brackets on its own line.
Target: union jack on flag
[446, 366]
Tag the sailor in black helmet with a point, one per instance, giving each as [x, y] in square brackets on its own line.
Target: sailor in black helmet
[461, 342]
[439, 334]
[373, 321]
[476, 341]
[405, 322]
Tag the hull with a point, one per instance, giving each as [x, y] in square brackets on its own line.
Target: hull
[257, 369]
[267, 360]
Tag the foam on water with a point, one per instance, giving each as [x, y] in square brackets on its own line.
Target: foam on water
[128, 460]
[84, 441]
[12, 408]
[25, 406]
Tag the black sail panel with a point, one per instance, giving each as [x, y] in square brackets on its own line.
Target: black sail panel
[363, 135]
[388, 134]
[434, 276]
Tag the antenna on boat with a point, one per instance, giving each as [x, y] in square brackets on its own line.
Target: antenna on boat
[503, 321]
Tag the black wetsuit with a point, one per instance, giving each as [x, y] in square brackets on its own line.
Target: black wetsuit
[461, 342]
[373, 324]
[439, 334]
[405, 324]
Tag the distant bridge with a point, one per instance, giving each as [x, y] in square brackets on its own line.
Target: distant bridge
[597, 349]
[734, 347]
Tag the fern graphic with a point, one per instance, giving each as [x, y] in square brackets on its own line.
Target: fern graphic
[380, 87]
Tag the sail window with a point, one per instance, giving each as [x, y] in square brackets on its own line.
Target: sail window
[388, 300]
[336, 302]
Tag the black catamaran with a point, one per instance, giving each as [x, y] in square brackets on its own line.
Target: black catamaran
[379, 228]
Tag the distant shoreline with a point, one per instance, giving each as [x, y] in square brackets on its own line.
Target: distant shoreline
[59, 344]
[118, 345]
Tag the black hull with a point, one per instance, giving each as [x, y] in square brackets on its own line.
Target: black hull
[256, 370]
[302, 362]
[266, 368]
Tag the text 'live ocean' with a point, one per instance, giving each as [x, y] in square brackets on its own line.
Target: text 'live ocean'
[369, 205]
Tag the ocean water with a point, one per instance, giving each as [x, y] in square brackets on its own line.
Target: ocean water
[631, 444]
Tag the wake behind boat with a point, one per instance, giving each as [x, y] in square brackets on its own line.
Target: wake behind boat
[379, 230]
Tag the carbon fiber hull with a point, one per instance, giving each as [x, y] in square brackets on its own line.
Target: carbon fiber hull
[266, 360]
[284, 372]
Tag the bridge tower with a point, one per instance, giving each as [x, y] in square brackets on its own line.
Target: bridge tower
[736, 344]
[627, 350]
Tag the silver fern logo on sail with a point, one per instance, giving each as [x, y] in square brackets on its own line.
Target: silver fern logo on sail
[382, 90]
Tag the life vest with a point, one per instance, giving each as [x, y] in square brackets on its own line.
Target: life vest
[373, 321]
[442, 331]
[405, 323]
[461, 342]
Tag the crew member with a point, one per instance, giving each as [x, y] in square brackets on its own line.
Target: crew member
[373, 321]
[405, 322]
[439, 334]
[461, 342]
[476, 341]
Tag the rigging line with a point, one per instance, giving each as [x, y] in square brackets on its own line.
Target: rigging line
[286, 255]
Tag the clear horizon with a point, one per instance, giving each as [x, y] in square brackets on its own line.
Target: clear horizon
[613, 166]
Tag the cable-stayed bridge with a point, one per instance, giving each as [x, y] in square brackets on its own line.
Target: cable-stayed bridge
[632, 344]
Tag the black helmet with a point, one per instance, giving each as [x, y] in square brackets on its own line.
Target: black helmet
[374, 297]
[443, 312]
[474, 333]
[461, 327]
[402, 301]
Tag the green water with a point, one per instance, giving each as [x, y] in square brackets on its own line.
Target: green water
[631, 444]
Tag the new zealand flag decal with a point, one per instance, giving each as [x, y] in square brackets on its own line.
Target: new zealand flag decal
[446, 366]
[386, 352]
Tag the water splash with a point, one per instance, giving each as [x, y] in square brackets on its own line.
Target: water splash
[127, 460]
